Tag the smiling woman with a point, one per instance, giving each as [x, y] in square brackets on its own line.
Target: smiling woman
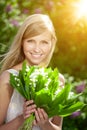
[37, 48]
[31, 27]
[35, 42]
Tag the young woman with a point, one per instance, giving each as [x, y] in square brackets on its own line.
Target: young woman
[35, 42]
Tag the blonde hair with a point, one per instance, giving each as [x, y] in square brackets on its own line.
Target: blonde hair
[34, 25]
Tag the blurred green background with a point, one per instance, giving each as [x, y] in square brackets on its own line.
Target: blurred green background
[70, 21]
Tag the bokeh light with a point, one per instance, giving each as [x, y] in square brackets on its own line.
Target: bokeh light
[81, 9]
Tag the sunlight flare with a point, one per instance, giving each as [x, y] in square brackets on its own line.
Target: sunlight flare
[81, 9]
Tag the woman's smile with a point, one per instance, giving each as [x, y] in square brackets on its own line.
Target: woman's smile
[36, 55]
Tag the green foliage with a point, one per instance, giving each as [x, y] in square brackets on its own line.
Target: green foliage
[10, 20]
[76, 123]
[78, 119]
[43, 86]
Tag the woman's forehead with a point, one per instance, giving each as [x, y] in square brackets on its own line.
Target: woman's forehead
[45, 35]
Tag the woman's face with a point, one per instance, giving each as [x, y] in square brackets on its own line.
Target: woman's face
[36, 49]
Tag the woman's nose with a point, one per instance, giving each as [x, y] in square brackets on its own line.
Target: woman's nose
[37, 47]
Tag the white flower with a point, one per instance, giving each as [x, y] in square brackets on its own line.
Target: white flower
[18, 84]
[16, 78]
[48, 81]
[42, 72]
[58, 90]
[71, 94]
[27, 68]
[15, 74]
[33, 79]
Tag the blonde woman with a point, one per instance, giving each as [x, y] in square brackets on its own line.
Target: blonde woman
[35, 42]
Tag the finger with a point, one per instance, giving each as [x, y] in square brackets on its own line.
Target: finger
[30, 102]
[26, 116]
[45, 116]
[40, 114]
[28, 113]
[37, 116]
[34, 122]
[31, 107]
[26, 103]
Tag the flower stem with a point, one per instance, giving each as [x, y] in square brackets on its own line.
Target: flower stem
[27, 125]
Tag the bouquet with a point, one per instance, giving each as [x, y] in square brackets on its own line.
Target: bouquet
[43, 86]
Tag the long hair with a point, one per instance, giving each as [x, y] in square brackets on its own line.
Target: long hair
[33, 25]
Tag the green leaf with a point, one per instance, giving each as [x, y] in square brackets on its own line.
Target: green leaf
[43, 98]
[69, 110]
[62, 96]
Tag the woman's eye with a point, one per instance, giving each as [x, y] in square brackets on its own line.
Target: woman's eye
[30, 41]
[45, 42]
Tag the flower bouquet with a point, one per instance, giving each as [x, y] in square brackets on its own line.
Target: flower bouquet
[43, 86]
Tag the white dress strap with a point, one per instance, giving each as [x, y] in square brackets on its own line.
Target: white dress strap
[13, 71]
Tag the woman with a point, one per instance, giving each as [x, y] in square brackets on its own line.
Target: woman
[35, 42]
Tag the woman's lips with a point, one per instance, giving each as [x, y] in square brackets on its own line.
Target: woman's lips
[36, 55]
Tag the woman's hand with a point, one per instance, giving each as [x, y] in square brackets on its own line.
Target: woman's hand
[28, 108]
[41, 117]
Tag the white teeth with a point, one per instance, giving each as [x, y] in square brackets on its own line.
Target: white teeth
[36, 55]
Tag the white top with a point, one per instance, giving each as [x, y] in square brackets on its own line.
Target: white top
[15, 107]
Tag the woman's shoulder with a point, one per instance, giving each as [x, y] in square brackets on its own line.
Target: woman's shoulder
[4, 81]
[4, 77]
[5, 89]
